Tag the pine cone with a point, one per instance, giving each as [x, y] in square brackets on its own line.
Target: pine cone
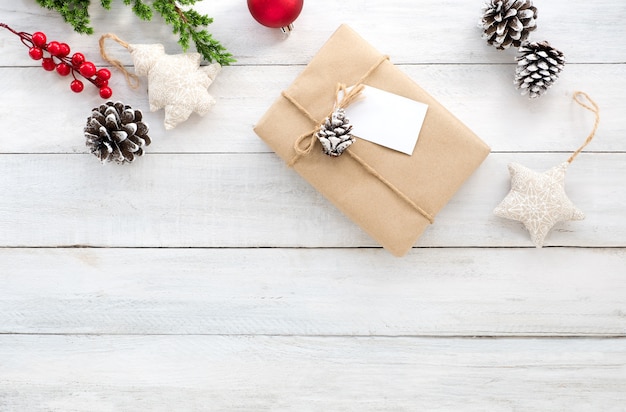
[334, 135]
[508, 22]
[115, 131]
[538, 66]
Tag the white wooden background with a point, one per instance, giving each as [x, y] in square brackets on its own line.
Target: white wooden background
[209, 276]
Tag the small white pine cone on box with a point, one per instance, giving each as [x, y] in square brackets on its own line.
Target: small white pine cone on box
[116, 132]
[334, 135]
[538, 67]
[507, 23]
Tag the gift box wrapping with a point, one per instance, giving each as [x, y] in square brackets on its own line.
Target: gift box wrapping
[446, 154]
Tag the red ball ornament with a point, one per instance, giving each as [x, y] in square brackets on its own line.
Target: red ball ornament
[103, 74]
[87, 69]
[64, 50]
[54, 47]
[276, 13]
[100, 83]
[48, 64]
[39, 39]
[77, 59]
[35, 53]
[63, 69]
[106, 92]
[77, 86]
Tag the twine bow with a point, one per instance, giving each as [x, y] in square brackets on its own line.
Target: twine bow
[304, 144]
[309, 138]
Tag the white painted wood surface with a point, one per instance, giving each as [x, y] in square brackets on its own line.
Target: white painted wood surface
[209, 276]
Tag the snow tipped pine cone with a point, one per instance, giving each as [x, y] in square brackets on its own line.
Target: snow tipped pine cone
[538, 67]
[334, 135]
[116, 132]
[507, 23]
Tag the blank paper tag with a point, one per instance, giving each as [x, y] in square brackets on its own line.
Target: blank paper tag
[387, 119]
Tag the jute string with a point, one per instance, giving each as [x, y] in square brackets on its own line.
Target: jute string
[592, 107]
[131, 79]
[304, 144]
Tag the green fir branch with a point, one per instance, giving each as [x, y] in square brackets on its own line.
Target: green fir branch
[187, 23]
[74, 12]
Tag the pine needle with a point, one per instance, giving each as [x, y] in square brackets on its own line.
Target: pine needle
[187, 23]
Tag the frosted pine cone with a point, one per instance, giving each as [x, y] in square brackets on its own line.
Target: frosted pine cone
[507, 23]
[116, 132]
[538, 66]
[334, 135]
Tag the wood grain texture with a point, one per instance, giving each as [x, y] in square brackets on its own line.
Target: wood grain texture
[254, 200]
[430, 292]
[475, 94]
[428, 31]
[209, 276]
[243, 373]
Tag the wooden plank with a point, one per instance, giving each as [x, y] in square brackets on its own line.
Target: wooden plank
[202, 200]
[430, 292]
[428, 31]
[482, 96]
[237, 373]
[235, 286]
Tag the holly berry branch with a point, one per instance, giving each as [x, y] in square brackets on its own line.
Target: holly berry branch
[58, 59]
[187, 23]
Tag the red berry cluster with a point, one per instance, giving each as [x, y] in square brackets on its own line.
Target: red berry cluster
[64, 65]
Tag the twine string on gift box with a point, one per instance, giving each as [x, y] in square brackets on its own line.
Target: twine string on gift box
[592, 107]
[304, 144]
[131, 79]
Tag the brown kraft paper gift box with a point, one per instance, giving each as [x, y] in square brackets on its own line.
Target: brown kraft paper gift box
[446, 153]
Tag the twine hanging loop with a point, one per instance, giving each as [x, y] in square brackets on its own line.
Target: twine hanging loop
[131, 78]
[592, 107]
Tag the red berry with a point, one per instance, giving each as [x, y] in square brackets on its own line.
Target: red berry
[77, 59]
[87, 69]
[77, 86]
[48, 64]
[64, 50]
[106, 92]
[35, 53]
[63, 69]
[54, 47]
[103, 74]
[101, 83]
[39, 39]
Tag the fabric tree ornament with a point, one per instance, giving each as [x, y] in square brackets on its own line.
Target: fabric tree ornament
[176, 83]
[538, 67]
[507, 23]
[538, 200]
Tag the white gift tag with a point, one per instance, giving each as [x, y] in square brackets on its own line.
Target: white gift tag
[387, 119]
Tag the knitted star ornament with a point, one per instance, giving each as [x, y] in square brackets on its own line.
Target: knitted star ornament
[176, 83]
[538, 200]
